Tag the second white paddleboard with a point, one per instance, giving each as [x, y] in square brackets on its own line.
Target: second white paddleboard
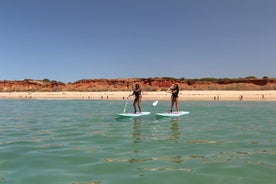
[172, 114]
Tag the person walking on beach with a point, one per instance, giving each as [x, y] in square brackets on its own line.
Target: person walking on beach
[174, 90]
[137, 93]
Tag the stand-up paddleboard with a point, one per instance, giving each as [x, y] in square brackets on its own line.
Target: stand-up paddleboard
[172, 114]
[133, 114]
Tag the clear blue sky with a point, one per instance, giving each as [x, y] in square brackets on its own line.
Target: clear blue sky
[69, 40]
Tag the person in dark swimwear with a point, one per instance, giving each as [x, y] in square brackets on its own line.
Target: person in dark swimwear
[137, 93]
[174, 90]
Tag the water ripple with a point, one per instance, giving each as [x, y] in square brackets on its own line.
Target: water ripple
[81, 142]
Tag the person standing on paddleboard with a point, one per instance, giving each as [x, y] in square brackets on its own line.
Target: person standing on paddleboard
[137, 93]
[174, 90]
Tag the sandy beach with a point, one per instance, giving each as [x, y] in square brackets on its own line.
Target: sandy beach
[269, 95]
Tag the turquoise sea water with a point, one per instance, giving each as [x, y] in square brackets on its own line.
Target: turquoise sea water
[82, 142]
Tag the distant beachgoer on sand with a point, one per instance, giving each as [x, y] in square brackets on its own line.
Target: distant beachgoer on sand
[241, 97]
[137, 93]
[174, 90]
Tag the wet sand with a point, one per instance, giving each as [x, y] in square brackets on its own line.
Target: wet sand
[269, 95]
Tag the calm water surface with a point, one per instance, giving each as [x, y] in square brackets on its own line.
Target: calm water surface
[82, 142]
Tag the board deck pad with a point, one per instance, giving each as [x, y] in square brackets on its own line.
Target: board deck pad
[133, 114]
[172, 114]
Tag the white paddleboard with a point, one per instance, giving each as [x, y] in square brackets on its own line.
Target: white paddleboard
[173, 114]
[133, 114]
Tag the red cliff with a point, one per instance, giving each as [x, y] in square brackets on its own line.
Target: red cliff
[148, 84]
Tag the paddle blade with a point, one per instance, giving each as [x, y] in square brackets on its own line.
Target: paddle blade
[155, 103]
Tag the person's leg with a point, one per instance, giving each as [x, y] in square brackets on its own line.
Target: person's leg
[134, 105]
[176, 104]
[172, 104]
[139, 104]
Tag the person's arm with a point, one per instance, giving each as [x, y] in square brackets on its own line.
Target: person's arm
[174, 91]
[130, 94]
[169, 90]
[137, 90]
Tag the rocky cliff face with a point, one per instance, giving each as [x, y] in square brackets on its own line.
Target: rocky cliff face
[31, 85]
[147, 84]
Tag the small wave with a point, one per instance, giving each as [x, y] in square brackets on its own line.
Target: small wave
[126, 160]
[93, 182]
[166, 169]
[203, 142]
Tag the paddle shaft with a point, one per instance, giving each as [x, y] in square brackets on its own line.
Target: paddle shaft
[124, 111]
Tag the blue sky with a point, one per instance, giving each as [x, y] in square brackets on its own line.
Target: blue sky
[69, 40]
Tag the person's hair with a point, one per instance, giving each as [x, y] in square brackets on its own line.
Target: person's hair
[137, 86]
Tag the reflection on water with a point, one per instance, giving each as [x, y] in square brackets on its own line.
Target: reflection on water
[157, 132]
[176, 132]
[137, 130]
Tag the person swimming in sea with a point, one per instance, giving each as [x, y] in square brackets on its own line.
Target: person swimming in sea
[174, 90]
[137, 93]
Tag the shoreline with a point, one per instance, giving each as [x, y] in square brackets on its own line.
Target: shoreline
[268, 95]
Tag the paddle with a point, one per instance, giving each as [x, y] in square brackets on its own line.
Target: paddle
[124, 111]
[154, 104]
